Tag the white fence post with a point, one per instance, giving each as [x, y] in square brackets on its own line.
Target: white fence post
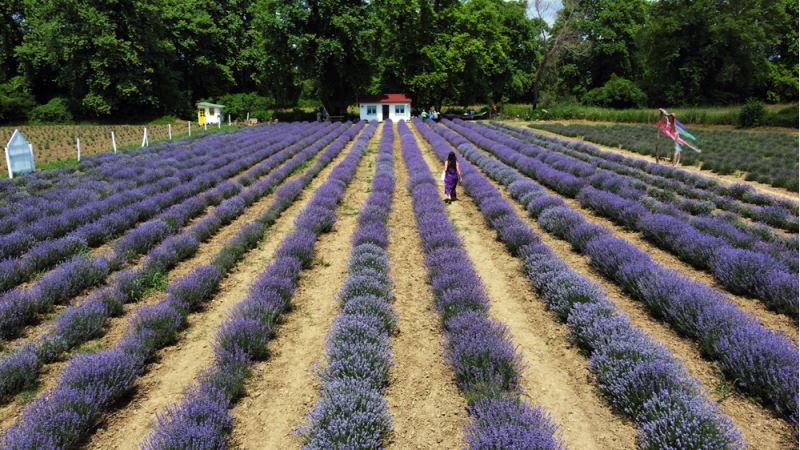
[248, 116]
[78, 144]
[190, 128]
[145, 141]
[8, 164]
[205, 126]
[229, 120]
[114, 141]
[219, 124]
[169, 130]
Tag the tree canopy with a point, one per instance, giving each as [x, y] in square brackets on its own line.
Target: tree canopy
[140, 58]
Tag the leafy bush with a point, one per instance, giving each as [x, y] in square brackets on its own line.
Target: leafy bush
[15, 100]
[752, 113]
[238, 105]
[616, 93]
[54, 111]
[784, 117]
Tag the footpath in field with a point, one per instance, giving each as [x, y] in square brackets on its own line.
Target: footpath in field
[555, 372]
[178, 365]
[758, 424]
[284, 387]
[426, 406]
[111, 328]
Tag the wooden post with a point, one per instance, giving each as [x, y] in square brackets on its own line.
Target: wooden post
[78, 144]
[205, 126]
[229, 119]
[114, 141]
[248, 116]
[219, 124]
[190, 128]
[145, 141]
[169, 130]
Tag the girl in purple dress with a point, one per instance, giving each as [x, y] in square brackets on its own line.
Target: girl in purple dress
[451, 175]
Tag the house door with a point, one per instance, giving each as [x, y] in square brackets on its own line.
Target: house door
[201, 116]
[385, 112]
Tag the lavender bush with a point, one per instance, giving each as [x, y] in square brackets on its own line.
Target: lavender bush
[243, 337]
[762, 361]
[631, 368]
[487, 366]
[129, 286]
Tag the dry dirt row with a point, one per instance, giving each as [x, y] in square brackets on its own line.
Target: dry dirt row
[32, 333]
[177, 365]
[284, 387]
[754, 306]
[555, 375]
[116, 326]
[427, 408]
[760, 426]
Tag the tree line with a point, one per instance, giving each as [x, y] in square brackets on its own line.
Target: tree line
[98, 59]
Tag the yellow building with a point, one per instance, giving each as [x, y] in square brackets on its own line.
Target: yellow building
[209, 113]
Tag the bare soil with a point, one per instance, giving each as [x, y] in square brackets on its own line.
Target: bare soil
[555, 375]
[427, 408]
[760, 427]
[178, 365]
[286, 385]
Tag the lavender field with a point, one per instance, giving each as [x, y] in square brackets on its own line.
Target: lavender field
[304, 285]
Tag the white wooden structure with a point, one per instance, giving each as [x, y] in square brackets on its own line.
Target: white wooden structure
[209, 113]
[394, 107]
[19, 155]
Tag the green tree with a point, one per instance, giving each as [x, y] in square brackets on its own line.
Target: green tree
[335, 50]
[716, 51]
[10, 36]
[105, 57]
[607, 31]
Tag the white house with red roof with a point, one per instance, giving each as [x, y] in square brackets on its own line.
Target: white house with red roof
[395, 107]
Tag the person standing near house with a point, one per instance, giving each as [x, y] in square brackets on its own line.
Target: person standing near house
[423, 115]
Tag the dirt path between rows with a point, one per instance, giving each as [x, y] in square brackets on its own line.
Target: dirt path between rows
[753, 306]
[726, 180]
[285, 386]
[177, 365]
[760, 427]
[116, 326]
[427, 408]
[555, 373]
[46, 322]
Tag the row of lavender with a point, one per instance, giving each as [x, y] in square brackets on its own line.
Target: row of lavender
[725, 224]
[642, 378]
[201, 420]
[22, 306]
[46, 193]
[763, 362]
[746, 271]
[49, 253]
[486, 364]
[185, 160]
[739, 198]
[91, 384]
[26, 199]
[351, 411]
[84, 321]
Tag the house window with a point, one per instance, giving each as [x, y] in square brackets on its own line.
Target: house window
[372, 110]
[399, 109]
